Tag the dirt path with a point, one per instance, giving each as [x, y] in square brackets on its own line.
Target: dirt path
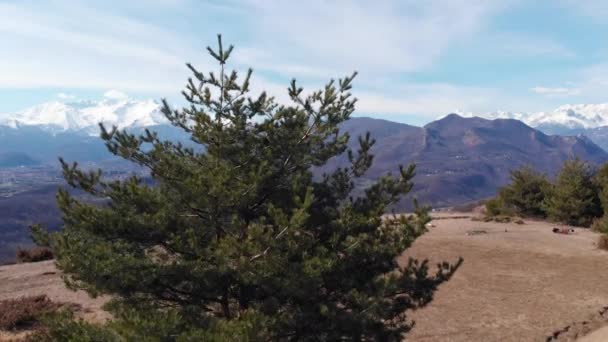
[516, 285]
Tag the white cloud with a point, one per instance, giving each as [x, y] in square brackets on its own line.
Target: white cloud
[68, 45]
[514, 45]
[115, 95]
[386, 36]
[559, 91]
[428, 100]
[404, 100]
[65, 96]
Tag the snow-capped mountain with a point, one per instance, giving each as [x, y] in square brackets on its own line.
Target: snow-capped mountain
[566, 117]
[85, 115]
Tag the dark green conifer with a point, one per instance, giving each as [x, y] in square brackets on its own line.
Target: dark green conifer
[236, 240]
[574, 197]
[526, 193]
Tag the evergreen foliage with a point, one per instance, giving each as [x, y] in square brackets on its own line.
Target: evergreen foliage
[237, 240]
[601, 224]
[494, 206]
[601, 181]
[526, 193]
[574, 197]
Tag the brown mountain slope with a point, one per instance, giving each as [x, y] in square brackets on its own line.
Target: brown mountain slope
[463, 159]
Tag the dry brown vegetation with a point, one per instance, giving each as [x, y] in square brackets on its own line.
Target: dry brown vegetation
[517, 282]
[34, 254]
[602, 242]
[43, 279]
[25, 312]
[499, 219]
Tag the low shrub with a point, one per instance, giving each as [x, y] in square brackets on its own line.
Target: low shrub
[25, 312]
[600, 225]
[63, 326]
[502, 219]
[519, 221]
[34, 254]
[493, 207]
[602, 242]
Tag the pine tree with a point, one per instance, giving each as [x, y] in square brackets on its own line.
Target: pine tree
[574, 197]
[526, 192]
[236, 240]
[601, 181]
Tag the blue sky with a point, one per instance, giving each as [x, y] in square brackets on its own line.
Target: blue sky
[417, 59]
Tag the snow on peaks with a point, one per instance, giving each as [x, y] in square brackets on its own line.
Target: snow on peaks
[116, 108]
[115, 94]
[578, 116]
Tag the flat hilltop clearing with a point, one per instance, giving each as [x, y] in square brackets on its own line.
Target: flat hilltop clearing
[517, 283]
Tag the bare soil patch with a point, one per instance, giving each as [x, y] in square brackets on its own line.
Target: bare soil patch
[42, 278]
[517, 282]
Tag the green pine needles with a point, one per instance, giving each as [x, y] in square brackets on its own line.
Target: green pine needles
[236, 240]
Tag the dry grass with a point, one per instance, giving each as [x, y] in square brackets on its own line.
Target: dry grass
[498, 219]
[25, 312]
[517, 282]
[602, 242]
[598, 224]
[34, 254]
[43, 278]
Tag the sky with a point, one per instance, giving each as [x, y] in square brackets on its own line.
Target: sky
[417, 60]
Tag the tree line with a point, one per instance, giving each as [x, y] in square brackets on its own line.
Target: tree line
[577, 196]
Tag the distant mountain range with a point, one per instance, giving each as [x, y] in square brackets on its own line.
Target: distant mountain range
[459, 159]
[15, 159]
[84, 116]
[567, 117]
[590, 120]
[465, 159]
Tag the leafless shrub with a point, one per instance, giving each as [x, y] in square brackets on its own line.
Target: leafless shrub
[34, 254]
[25, 312]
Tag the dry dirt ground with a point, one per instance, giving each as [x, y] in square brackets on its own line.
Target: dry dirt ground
[43, 278]
[517, 283]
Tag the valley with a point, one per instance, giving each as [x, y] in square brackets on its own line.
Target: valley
[458, 160]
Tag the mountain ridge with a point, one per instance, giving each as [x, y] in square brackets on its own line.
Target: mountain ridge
[463, 159]
[85, 115]
[566, 117]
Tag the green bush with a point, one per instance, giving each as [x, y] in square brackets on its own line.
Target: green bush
[574, 198]
[526, 193]
[600, 225]
[494, 207]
